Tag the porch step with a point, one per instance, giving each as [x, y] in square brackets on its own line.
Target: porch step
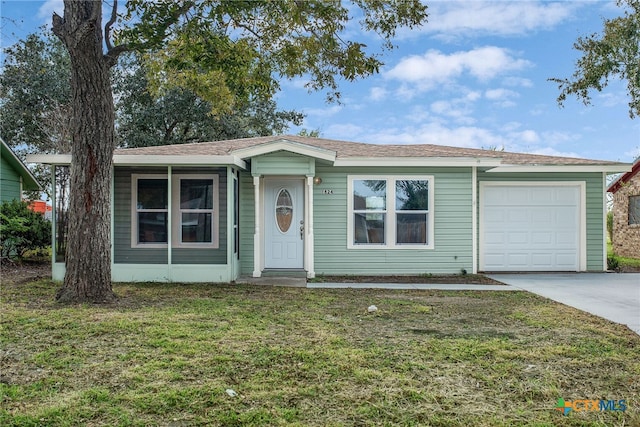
[288, 281]
[284, 272]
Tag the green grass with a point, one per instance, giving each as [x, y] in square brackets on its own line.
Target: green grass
[166, 354]
[622, 262]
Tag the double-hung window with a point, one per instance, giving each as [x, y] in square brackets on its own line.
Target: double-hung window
[192, 208]
[390, 212]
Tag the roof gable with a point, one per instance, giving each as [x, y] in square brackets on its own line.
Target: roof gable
[624, 178]
[29, 182]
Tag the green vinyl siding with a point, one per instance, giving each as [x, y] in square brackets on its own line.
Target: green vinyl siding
[9, 182]
[594, 205]
[282, 163]
[453, 226]
[125, 254]
[247, 223]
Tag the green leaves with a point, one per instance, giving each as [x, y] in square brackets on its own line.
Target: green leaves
[614, 54]
[227, 52]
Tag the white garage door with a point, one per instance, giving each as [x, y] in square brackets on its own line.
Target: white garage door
[529, 227]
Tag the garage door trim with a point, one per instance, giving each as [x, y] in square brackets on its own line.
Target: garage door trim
[582, 238]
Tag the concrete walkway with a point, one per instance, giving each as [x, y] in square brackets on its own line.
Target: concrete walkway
[613, 296]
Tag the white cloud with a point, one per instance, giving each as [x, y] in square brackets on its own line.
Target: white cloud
[452, 19]
[438, 134]
[323, 112]
[435, 68]
[45, 12]
[458, 109]
[377, 93]
[350, 132]
[517, 81]
[502, 97]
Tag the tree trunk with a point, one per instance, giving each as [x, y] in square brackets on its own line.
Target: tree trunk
[88, 256]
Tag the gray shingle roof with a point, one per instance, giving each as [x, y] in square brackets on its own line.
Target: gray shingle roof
[346, 149]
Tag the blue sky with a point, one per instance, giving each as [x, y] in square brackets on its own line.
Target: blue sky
[474, 76]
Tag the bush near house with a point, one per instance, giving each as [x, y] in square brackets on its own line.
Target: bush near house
[22, 230]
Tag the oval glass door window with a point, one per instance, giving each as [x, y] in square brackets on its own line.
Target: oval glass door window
[284, 210]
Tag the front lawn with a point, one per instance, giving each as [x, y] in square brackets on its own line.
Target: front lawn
[183, 355]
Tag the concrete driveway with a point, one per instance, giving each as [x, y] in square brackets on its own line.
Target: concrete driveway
[615, 297]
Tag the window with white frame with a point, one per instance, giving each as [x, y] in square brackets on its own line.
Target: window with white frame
[151, 213]
[390, 212]
[193, 210]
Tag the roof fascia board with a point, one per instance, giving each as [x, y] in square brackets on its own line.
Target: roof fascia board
[626, 177]
[418, 161]
[49, 159]
[142, 160]
[561, 168]
[286, 145]
[177, 160]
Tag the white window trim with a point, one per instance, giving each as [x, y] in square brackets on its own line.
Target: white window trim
[390, 212]
[174, 212]
[134, 211]
[177, 213]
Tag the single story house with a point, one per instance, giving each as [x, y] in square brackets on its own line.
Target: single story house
[626, 212]
[214, 211]
[15, 177]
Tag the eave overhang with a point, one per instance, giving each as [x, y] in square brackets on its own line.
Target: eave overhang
[609, 169]
[142, 160]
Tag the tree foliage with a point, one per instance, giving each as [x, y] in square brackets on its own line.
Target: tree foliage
[613, 54]
[226, 52]
[22, 229]
[179, 116]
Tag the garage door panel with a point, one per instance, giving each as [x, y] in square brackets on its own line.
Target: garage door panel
[542, 238]
[530, 227]
[518, 259]
[517, 215]
[518, 238]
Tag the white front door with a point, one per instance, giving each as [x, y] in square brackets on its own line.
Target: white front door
[284, 223]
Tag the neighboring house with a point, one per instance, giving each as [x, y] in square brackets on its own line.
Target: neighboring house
[211, 212]
[626, 212]
[15, 177]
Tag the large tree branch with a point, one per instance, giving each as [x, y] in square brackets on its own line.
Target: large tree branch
[109, 24]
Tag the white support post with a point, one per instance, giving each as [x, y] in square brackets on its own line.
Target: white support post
[309, 241]
[169, 220]
[474, 218]
[257, 270]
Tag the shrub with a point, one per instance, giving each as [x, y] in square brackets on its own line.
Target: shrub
[613, 263]
[610, 225]
[21, 229]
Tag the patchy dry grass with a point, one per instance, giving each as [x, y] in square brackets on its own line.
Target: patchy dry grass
[166, 354]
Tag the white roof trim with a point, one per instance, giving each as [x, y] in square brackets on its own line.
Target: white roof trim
[286, 145]
[157, 160]
[49, 159]
[177, 160]
[417, 161]
[561, 168]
